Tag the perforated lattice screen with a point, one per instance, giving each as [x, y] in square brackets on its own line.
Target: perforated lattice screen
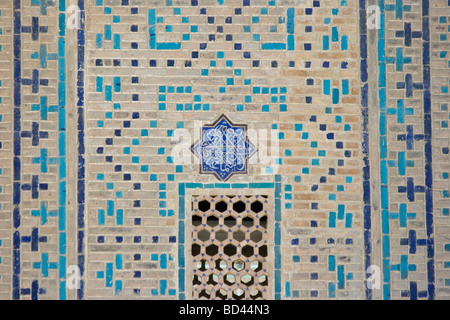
[230, 247]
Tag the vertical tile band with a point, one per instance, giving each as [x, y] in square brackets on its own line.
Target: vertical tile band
[428, 149]
[34, 291]
[383, 154]
[17, 144]
[365, 141]
[424, 36]
[62, 150]
[81, 175]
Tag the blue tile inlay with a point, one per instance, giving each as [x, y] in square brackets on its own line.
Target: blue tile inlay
[224, 149]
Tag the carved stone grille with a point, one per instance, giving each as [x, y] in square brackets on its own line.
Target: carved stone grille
[230, 247]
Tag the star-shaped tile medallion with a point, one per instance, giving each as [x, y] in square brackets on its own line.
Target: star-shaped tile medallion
[223, 149]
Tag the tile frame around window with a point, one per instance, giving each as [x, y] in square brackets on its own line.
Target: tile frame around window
[271, 189]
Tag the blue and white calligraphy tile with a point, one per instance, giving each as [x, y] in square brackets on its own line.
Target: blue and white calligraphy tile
[224, 149]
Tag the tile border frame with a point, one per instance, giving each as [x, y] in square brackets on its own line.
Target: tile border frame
[183, 186]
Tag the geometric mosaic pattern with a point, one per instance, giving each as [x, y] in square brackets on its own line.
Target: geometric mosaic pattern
[352, 95]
